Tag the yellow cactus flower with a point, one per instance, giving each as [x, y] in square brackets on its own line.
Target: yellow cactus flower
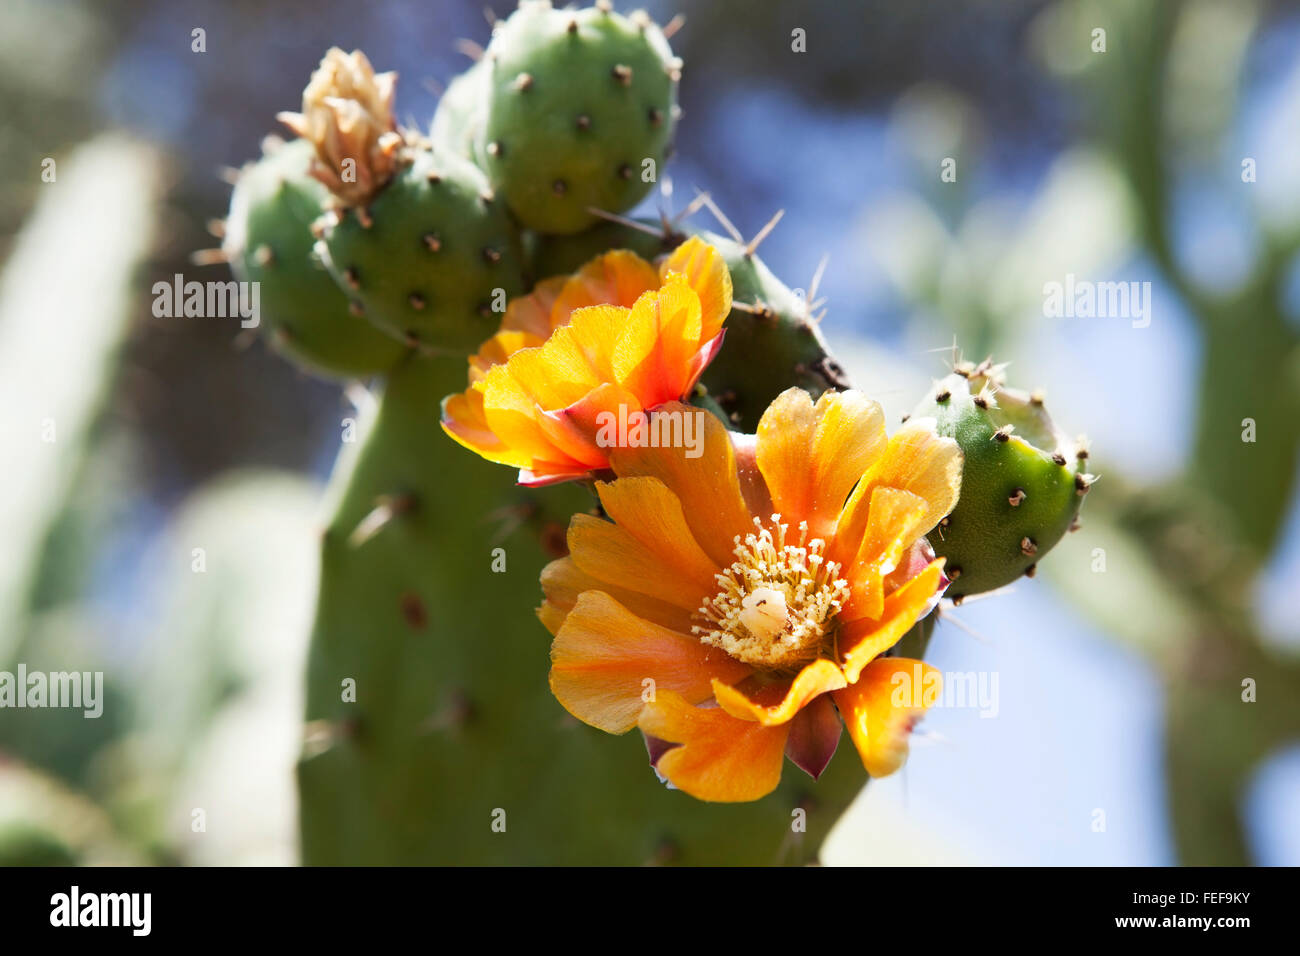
[736, 606]
[604, 346]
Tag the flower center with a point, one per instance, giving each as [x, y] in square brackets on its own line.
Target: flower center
[774, 602]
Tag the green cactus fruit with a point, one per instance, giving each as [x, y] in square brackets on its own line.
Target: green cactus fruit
[772, 342]
[268, 240]
[461, 115]
[581, 113]
[434, 257]
[1022, 482]
[564, 255]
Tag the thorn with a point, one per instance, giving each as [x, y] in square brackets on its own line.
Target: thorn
[217, 228]
[433, 177]
[584, 121]
[1003, 434]
[1083, 446]
[625, 171]
[490, 16]
[906, 416]
[431, 241]
[640, 19]
[524, 82]
[763, 233]
[470, 49]
[363, 217]
[352, 278]
[656, 116]
[1031, 570]
[387, 507]
[1076, 524]
[356, 308]
[604, 6]
[942, 395]
[360, 397]
[1028, 546]
[953, 572]
[228, 175]
[623, 74]
[816, 282]
[416, 301]
[1017, 498]
[573, 25]
[1037, 397]
[495, 148]
[722, 219]
[945, 520]
[624, 221]
[208, 257]
[672, 26]
[559, 187]
[491, 256]
[692, 207]
[1082, 483]
[488, 196]
[1058, 458]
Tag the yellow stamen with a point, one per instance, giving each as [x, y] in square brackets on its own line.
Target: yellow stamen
[775, 601]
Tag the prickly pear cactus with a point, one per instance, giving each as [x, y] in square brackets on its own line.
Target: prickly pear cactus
[1023, 480]
[581, 113]
[432, 259]
[268, 240]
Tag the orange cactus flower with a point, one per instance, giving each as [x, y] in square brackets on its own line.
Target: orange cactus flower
[613, 341]
[737, 605]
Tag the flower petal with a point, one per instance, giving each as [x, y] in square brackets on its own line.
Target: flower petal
[883, 706]
[814, 736]
[811, 456]
[604, 654]
[650, 512]
[464, 421]
[916, 460]
[610, 553]
[863, 640]
[720, 758]
[615, 278]
[654, 354]
[532, 313]
[707, 481]
[702, 267]
[563, 581]
[776, 702]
